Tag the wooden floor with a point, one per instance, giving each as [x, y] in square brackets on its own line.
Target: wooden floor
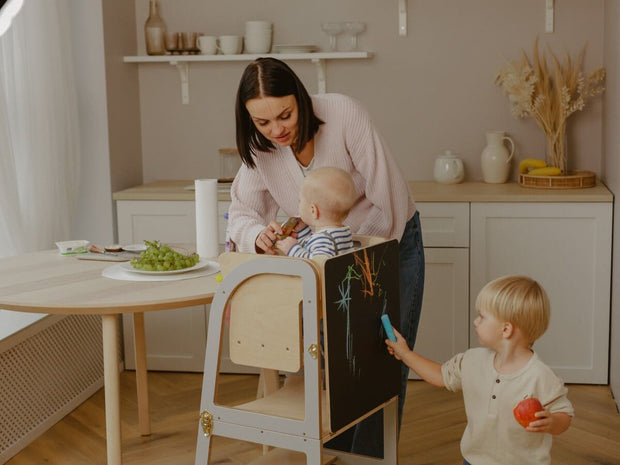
[433, 423]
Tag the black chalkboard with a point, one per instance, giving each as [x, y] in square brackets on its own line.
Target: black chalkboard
[359, 287]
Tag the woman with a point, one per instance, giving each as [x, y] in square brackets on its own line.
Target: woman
[282, 134]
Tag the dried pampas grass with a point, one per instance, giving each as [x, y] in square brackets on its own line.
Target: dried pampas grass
[549, 94]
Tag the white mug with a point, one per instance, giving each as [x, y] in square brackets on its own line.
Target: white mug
[230, 45]
[207, 45]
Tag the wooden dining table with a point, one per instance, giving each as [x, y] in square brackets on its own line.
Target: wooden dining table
[46, 282]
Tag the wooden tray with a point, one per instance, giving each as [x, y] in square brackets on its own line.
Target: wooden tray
[575, 179]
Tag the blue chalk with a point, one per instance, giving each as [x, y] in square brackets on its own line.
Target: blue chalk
[387, 325]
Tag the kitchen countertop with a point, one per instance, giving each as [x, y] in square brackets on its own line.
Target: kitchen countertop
[479, 191]
[423, 191]
[167, 190]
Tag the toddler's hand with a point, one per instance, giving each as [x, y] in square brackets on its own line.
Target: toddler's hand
[285, 244]
[399, 348]
[543, 424]
[298, 227]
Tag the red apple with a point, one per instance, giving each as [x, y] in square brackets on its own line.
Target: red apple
[525, 411]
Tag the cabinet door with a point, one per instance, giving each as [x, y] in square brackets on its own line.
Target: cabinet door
[175, 339]
[567, 248]
[443, 329]
[167, 221]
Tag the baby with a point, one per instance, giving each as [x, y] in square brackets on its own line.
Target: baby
[326, 197]
[513, 312]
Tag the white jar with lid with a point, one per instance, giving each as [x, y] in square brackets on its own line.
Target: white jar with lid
[230, 162]
[448, 168]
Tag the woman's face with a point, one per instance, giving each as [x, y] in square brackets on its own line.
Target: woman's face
[275, 118]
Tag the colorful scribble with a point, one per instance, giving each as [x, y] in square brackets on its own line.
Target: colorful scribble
[366, 271]
[364, 265]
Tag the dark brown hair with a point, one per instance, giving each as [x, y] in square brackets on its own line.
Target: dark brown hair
[269, 77]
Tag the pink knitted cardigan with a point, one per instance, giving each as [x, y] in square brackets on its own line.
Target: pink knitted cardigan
[348, 140]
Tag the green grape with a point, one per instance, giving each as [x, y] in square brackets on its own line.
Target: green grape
[160, 257]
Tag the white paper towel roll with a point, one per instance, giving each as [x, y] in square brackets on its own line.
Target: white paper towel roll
[206, 218]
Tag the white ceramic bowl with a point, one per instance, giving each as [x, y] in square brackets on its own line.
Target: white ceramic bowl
[255, 42]
[258, 26]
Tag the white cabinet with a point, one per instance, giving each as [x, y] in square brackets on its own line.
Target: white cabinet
[443, 329]
[472, 232]
[175, 339]
[566, 247]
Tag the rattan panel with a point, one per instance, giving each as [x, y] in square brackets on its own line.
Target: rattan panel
[44, 375]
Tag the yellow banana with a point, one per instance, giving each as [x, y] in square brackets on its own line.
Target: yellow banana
[528, 163]
[547, 171]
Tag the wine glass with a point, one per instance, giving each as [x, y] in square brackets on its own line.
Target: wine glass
[332, 29]
[353, 29]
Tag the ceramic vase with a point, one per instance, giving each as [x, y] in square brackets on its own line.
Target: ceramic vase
[155, 31]
[496, 158]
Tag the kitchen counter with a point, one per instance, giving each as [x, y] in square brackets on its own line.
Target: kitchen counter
[479, 191]
[167, 190]
[423, 191]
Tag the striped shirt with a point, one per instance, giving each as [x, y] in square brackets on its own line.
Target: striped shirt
[330, 241]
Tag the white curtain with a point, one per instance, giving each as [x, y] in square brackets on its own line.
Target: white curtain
[39, 129]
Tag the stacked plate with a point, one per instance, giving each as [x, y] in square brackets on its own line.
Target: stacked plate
[258, 36]
[295, 48]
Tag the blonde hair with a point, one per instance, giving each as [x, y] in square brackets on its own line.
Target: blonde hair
[518, 300]
[332, 189]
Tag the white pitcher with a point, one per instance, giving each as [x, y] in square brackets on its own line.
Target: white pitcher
[496, 158]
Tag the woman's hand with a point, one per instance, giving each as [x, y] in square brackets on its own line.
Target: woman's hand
[267, 238]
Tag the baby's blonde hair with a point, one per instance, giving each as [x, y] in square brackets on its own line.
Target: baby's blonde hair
[332, 189]
[518, 300]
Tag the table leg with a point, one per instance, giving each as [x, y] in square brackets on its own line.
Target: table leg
[142, 386]
[111, 388]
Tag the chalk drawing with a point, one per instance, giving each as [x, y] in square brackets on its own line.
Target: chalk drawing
[366, 271]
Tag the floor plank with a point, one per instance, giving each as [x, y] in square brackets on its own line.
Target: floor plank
[433, 423]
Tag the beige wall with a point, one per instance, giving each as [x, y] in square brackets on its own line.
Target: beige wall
[429, 91]
[122, 94]
[611, 169]
[94, 213]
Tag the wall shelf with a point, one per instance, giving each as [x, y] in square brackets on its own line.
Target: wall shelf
[182, 63]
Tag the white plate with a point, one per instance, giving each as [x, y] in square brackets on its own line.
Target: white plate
[134, 248]
[201, 264]
[295, 48]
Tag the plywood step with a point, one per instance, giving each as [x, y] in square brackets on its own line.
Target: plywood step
[288, 457]
[289, 402]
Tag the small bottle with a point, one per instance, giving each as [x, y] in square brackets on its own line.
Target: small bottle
[155, 31]
[227, 247]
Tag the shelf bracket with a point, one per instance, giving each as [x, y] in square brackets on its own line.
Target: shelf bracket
[549, 15]
[183, 67]
[402, 17]
[321, 75]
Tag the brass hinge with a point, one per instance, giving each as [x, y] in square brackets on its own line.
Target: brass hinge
[206, 422]
[313, 350]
